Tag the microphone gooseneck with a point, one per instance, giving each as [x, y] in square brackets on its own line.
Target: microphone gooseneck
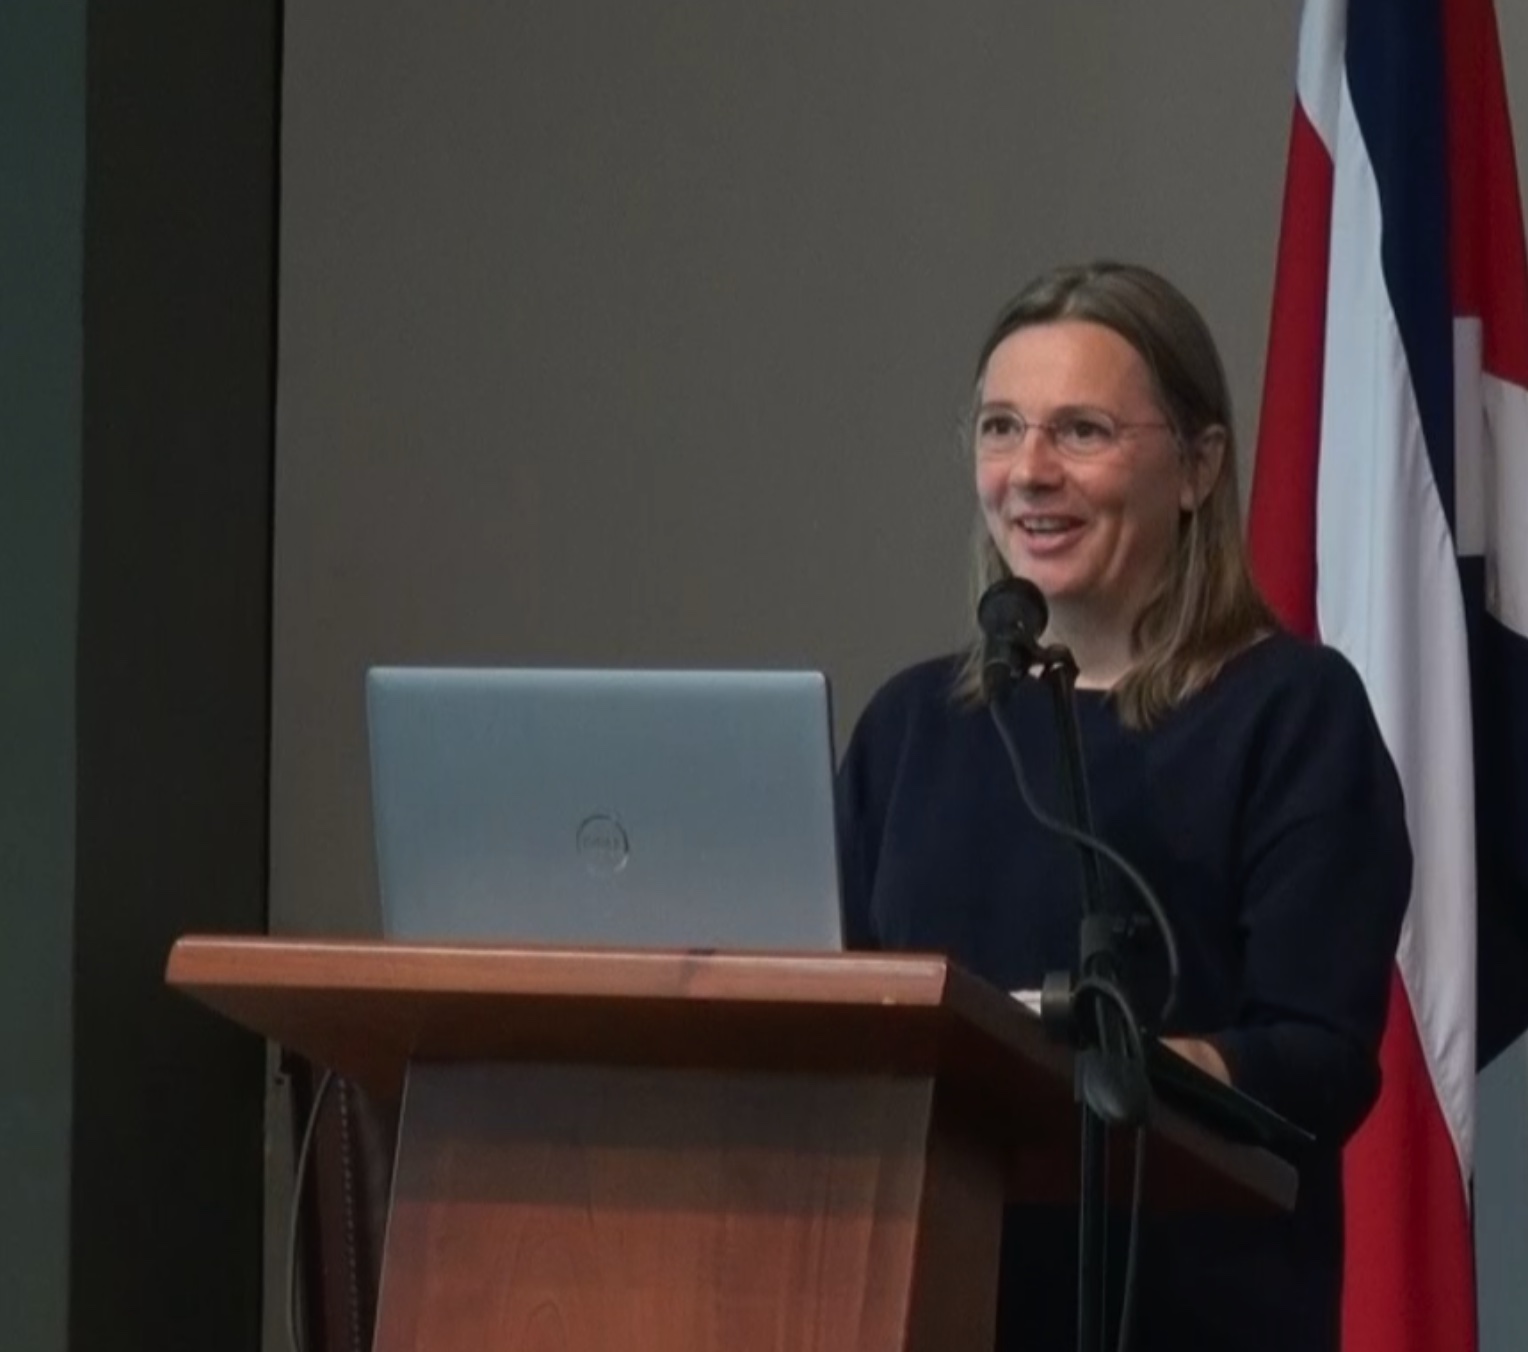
[1013, 615]
[1090, 1007]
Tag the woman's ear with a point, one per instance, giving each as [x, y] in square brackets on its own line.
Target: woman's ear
[1202, 466]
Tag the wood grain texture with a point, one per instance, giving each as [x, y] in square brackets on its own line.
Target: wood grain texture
[368, 1009]
[556, 1209]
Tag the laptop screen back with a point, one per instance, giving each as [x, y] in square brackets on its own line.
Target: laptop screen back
[629, 808]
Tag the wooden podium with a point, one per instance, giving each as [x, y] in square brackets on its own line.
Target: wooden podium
[681, 1152]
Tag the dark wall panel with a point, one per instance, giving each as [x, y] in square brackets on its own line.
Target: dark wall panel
[42, 187]
[173, 656]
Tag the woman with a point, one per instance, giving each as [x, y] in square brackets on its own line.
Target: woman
[1238, 768]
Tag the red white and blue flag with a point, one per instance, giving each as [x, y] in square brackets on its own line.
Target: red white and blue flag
[1390, 517]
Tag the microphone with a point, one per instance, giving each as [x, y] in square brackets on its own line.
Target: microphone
[1012, 615]
[1110, 1066]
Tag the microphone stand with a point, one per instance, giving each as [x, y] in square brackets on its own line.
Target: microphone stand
[1095, 958]
[1090, 1009]
[1104, 1099]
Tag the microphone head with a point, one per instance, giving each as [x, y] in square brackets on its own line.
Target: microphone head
[1012, 615]
[1013, 606]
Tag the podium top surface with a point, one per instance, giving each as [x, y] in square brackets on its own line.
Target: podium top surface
[366, 1008]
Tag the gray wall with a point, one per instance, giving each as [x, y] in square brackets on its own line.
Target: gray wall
[618, 333]
[1501, 1201]
[42, 170]
[635, 333]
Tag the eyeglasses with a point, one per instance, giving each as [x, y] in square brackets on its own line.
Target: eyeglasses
[1083, 433]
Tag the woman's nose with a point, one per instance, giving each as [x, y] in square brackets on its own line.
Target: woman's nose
[1035, 461]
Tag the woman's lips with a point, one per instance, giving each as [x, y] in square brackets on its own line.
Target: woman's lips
[1048, 534]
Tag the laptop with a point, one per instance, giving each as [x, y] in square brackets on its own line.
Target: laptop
[665, 809]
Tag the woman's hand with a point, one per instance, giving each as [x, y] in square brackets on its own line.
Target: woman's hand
[1202, 1054]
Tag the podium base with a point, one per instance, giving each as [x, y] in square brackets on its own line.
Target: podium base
[590, 1209]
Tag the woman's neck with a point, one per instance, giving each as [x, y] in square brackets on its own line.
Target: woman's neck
[1101, 648]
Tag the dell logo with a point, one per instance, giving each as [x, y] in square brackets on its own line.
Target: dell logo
[603, 845]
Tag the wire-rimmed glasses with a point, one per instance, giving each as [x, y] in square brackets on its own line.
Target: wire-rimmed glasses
[1080, 433]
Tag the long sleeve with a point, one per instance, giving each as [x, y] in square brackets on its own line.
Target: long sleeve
[1325, 878]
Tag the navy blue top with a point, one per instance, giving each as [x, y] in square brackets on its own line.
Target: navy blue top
[1267, 815]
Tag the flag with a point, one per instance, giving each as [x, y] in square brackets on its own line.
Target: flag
[1390, 518]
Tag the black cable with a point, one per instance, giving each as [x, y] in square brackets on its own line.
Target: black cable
[1107, 990]
[304, 1153]
[1111, 992]
[1104, 851]
[1104, 1097]
[1060, 676]
[1137, 1191]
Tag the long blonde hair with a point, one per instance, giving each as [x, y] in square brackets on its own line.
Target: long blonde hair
[1208, 608]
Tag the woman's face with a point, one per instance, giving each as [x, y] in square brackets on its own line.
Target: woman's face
[1093, 526]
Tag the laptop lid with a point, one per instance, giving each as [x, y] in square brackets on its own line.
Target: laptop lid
[689, 809]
